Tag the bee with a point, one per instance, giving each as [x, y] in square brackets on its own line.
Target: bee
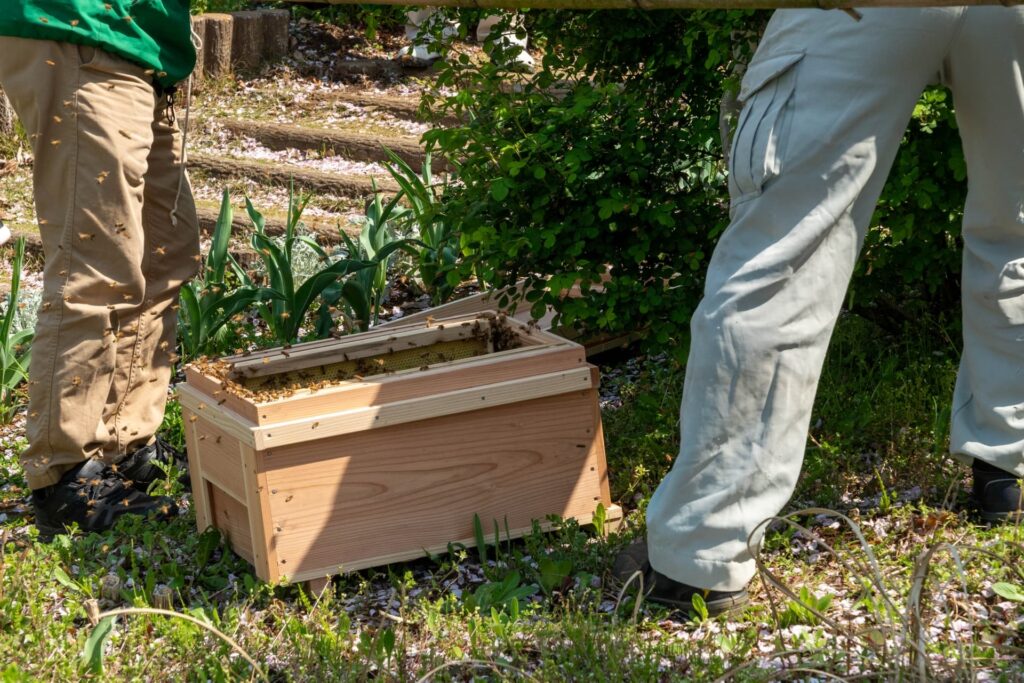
[160, 251]
[54, 142]
[86, 236]
[76, 381]
[57, 119]
[101, 176]
[73, 22]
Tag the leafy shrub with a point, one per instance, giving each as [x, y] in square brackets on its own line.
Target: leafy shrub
[610, 155]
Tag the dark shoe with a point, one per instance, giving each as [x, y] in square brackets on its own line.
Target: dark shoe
[659, 588]
[996, 494]
[94, 496]
[142, 468]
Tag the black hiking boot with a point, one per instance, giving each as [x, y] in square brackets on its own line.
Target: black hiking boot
[661, 589]
[95, 496]
[996, 493]
[142, 468]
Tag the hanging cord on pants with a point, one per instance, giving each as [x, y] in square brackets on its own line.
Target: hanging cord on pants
[197, 43]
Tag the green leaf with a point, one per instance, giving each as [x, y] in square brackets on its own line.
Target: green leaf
[499, 190]
[554, 573]
[699, 606]
[1008, 591]
[387, 639]
[481, 542]
[65, 580]
[92, 653]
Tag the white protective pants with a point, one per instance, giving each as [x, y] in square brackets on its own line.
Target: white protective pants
[826, 100]
[415, 20]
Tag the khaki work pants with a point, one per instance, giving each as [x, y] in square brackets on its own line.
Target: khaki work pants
[826, 101]
[107, 163]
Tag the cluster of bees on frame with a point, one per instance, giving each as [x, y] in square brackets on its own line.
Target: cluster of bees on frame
[490, 333]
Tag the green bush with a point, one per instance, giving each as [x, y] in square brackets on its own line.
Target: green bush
[611, 154]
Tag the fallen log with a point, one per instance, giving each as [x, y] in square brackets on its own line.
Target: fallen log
[339, 184]
[407, 108]
[352, 145]
[367, 69]
[326, 233]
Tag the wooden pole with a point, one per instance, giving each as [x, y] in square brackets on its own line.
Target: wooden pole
[671, 4]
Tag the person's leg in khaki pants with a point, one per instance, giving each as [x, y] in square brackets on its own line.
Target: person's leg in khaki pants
[106, 174]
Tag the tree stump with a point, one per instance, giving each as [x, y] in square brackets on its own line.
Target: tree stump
[275, 34]
[217, 45]
[199, 26]
[247, 39]
[7, 116]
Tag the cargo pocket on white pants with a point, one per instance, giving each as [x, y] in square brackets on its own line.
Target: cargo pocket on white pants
[762, 132]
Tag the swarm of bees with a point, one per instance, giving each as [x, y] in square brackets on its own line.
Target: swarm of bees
[488, 333]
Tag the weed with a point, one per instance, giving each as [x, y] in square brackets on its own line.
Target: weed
[15, 346]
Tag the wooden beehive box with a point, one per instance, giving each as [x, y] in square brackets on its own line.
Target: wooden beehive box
[342, 454]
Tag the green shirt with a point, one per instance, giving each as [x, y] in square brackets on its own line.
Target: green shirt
[153, 33]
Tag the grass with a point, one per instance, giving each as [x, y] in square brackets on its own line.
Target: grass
[834, 598]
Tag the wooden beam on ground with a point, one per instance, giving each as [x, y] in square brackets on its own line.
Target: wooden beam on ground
[342, 185]
[353, 145]
[401, 107]
[327, 233]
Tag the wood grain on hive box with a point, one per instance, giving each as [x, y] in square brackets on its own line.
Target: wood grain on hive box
[387, 467]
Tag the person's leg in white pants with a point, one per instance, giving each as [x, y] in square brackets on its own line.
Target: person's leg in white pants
[513, 40]
[419, 52]
[826, 101]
